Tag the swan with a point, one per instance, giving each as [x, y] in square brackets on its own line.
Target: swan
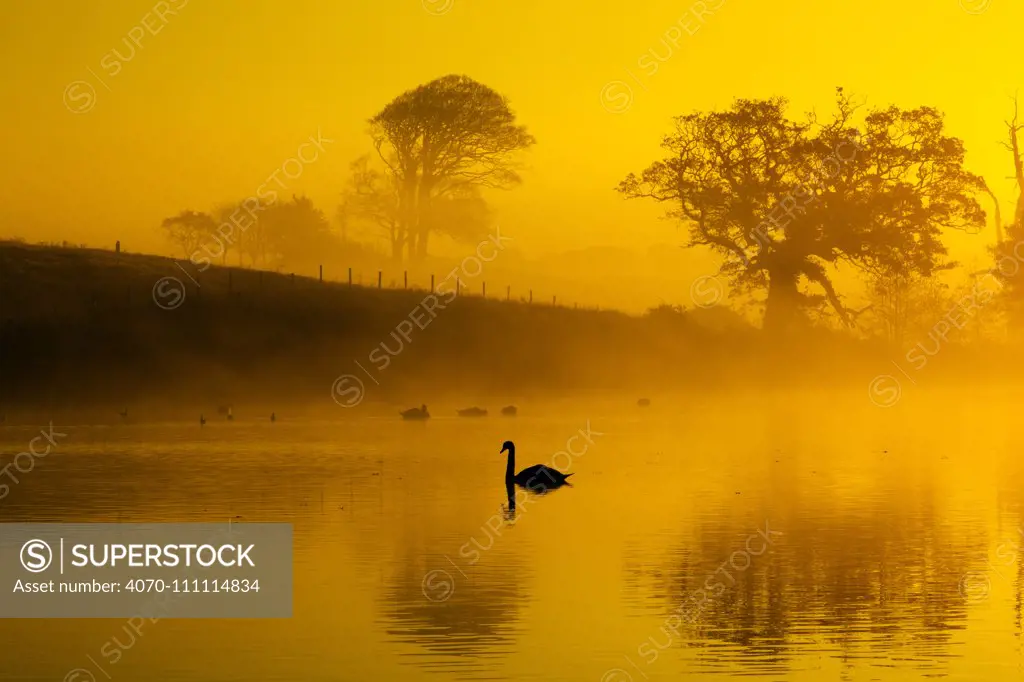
[416, 413]
[473, 412]
[538, 478]
[509, 410]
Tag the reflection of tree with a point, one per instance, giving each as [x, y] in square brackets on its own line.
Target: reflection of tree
[861, 584]
[429, 602]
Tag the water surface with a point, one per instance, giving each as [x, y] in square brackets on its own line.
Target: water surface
[832, 539]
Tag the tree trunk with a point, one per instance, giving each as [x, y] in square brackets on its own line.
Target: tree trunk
[421, 246]
[782, 309]
[397, 238]
[998, 215]
[1018, 168]
[410, 242]
[408, 214]
[423, 213]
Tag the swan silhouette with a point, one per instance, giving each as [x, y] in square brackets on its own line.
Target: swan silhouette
[416, 413]
[509, 411]
[538, 478]
[473, 412]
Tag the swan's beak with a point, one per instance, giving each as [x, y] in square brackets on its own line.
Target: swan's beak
[503, 450]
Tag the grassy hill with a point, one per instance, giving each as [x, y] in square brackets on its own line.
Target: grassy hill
[92, 327]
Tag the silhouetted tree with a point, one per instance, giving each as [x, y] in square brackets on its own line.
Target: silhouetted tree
[905, 304]
[997, 214]
[222, 215]
[785, 200]
[1008, 253]
[1008, 270]
[461, 214]
[189, 229]
[372, 197]
[1013, 127]
[439, 139]
[298, 233]
[343, 217]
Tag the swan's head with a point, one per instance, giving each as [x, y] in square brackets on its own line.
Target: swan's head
[508, 445]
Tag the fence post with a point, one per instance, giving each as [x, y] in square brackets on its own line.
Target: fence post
[321, 272]
[485, 290]
[350, 277]
[405, 279]
[508, 293]
[457, 282]
[431, 284]
[554, 300]
[380, 278]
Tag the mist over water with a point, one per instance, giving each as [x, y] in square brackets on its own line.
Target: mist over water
[832, 539]
[560, 342]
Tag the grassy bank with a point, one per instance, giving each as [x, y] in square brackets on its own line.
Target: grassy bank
[91, 327]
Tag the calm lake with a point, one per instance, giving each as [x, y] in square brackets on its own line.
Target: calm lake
[800, 537]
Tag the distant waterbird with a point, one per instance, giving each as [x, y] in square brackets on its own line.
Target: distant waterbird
[538, 478]
[473, 412]
[644, 402]
[273, 417]
[509, 411]
[415, 413]
[202, 420]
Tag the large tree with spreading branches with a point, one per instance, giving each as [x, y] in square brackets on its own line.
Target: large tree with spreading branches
[785, 201]
[446, 138]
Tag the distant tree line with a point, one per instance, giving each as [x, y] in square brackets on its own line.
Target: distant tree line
[787, 202]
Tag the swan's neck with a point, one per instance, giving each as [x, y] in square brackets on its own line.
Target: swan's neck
[510, 470]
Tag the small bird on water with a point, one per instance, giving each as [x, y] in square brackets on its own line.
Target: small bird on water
[202, 420]
[415, 413]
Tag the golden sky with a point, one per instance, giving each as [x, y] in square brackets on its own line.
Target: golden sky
[217, 95]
